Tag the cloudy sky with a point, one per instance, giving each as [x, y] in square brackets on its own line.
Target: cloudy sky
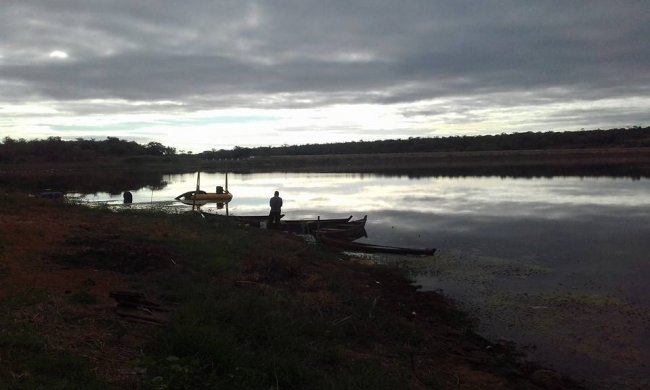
[203, 74]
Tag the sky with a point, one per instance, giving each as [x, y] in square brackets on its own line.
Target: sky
[213, 74]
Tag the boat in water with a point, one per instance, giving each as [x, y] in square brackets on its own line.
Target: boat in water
[199, 197]
[202, 197]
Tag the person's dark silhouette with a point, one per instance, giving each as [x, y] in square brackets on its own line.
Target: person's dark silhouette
[128, 197]
[276, 210]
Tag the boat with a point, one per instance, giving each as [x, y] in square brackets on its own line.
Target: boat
[198, 197]
[372, 248]
[249, 219]
[307, 226]
[323, 222]
[334, 225]
[253, 218]
[354, 229]
[291, 225]
[51, 194]
[320, 221]
[302, 226]
[202, 197]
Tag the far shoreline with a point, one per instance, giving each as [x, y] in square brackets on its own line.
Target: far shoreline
[119, 173]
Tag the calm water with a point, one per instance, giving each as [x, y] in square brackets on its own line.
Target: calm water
[559, 265]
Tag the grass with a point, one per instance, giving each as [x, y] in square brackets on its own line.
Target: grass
[260, 334]
[253, 339]
[82, 297]
[249, 309]
[27, 362]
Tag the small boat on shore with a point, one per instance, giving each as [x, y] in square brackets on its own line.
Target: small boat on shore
[308, 226]
[253, 218]
[347, 229]
[317, 221]
[340, 226]
[372, 248]
[250, 220]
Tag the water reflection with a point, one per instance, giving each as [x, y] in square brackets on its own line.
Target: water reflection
[539, 261]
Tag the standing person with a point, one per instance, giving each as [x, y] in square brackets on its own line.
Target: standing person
[128, 197]
[276, 209]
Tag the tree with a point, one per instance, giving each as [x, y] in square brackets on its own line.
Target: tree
[155, 149]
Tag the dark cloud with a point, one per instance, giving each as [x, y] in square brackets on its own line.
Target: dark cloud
[297, 54]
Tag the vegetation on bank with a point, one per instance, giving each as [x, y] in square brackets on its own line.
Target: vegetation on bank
[116, 166]
[247, 309]
[590, 139]
[54, 149]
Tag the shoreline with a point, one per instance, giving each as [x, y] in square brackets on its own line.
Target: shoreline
[133, 172]
[359, 315]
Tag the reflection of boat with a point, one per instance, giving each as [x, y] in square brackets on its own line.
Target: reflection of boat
[372, 248]
[201, 197]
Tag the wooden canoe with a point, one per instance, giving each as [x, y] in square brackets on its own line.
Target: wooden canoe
[339, 226]
[251, 220]
[308, 226]
[316, 221]
[347, 229]
[373, 248]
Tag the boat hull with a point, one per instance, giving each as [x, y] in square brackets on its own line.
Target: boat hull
[373, 248]
[213, 197]
[192, 197]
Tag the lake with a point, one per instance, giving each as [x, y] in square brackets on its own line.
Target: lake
[559, 265]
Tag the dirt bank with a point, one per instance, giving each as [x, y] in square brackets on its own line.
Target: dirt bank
[239, 308]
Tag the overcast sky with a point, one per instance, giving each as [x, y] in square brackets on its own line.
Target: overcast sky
[202, 74]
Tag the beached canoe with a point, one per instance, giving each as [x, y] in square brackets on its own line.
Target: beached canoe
[314, 222]
[308, 226]
[339, 226]
[372, 248]
[354, 229]
[251, 220]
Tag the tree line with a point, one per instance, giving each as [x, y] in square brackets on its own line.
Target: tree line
[621, 137]
[54, 149]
